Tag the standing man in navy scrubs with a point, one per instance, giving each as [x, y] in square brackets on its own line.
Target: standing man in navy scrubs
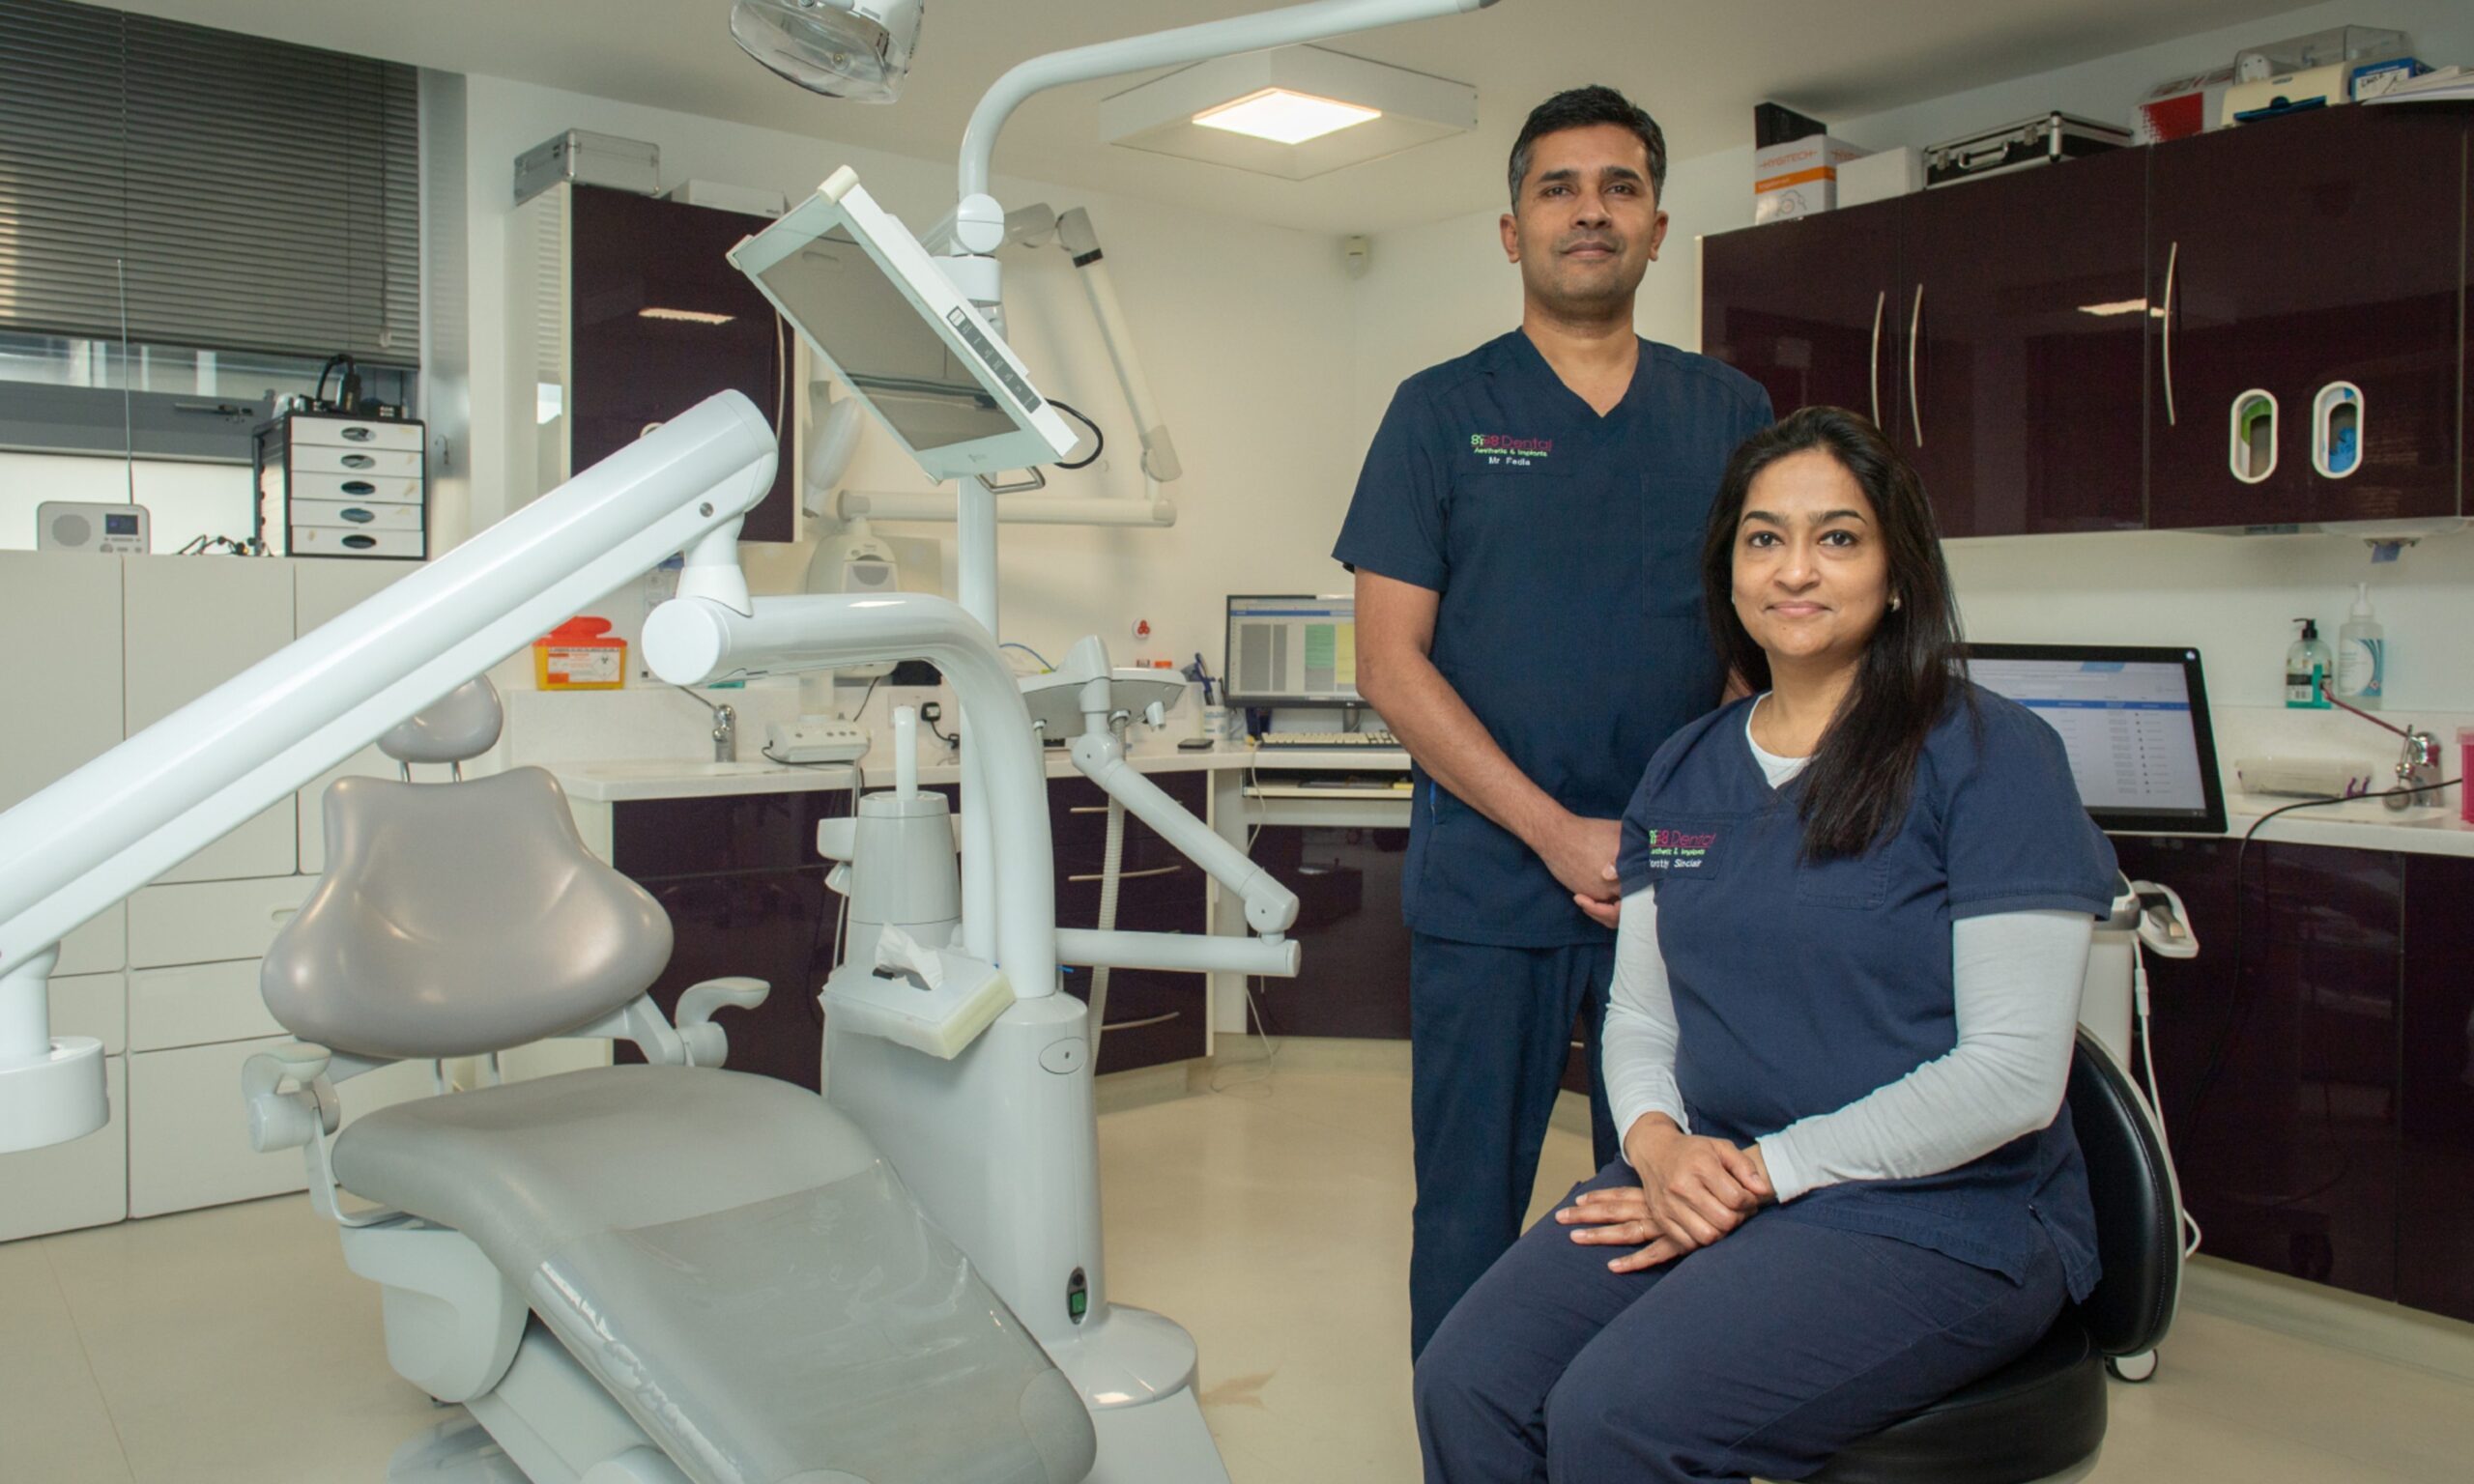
[1525, 536]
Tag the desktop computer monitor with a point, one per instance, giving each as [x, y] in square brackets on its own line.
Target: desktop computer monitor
[2134, 721]
[1291, 650]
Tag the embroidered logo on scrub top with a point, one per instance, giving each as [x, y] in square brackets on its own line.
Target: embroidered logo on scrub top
[1502, 450]
[1679, 849]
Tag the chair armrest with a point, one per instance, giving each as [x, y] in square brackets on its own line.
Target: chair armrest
[707, 1044]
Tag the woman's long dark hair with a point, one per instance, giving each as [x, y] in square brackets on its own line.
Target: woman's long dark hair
[1856, 786]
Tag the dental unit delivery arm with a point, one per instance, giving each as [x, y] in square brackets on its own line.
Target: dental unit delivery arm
[1074, 233]
[693, 641]
[98, 834]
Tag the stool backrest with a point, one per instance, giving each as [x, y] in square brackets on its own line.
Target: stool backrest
[2138, 1212]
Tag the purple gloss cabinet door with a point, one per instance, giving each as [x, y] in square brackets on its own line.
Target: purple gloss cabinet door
[2021, 347]
[2294, 254]
[1804, 307]
[660, 322]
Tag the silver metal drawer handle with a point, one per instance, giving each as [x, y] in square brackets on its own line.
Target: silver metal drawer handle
[1135, 1026]
[2172, 263]
[1873, 366]
[1914, 340]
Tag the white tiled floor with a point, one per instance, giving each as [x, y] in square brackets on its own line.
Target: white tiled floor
[1270, 1218]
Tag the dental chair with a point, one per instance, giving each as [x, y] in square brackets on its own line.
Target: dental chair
[659, 1274]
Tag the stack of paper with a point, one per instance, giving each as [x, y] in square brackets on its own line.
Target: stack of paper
[2447, 84]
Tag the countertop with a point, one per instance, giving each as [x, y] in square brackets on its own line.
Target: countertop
[2355, 825]
[610, 782]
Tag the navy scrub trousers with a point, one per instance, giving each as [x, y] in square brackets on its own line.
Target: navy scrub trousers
[1489, 1030]
[1564, 548]
[1762, 1354]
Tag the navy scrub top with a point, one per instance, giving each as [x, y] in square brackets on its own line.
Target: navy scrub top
[1565, 548]
[1801, 986]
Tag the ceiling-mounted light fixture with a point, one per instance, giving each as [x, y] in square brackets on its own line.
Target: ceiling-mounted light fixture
[1292, 111]
[1285, 118]
[855, 49]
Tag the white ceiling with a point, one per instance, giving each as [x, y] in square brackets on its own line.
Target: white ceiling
[1699, 65]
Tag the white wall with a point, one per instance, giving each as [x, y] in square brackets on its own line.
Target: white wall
[1437, 290]
[1241, 327]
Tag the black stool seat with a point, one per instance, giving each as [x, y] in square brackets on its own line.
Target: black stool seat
[2040, 1415]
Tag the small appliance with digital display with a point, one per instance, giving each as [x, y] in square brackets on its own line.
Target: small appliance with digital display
[77, 525]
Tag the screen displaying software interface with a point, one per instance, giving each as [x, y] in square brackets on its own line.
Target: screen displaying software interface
[1299, 650]
[2128, 729]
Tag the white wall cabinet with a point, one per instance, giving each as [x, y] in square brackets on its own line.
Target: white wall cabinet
[60, 642]
[324, 592]
[191, 623]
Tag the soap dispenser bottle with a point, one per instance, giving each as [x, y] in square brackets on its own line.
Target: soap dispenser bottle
[2362, 655]
[2307, 662]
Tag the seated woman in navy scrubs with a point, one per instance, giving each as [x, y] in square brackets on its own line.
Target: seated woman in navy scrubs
[1856, 906]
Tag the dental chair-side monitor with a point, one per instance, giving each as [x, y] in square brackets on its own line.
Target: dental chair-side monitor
[660, 1274]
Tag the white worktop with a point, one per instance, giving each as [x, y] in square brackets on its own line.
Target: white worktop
[609, 781]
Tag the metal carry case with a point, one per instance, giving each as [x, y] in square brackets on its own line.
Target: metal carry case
[2030, 142]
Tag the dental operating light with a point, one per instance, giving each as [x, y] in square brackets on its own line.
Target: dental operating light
[856, 49]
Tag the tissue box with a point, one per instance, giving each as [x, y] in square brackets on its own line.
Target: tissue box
[1798, 177]
[2182, 107]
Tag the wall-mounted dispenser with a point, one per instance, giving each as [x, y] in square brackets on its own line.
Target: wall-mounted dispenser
[2336, 430]
[2253, 456]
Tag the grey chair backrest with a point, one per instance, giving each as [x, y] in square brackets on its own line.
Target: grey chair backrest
[457, 919]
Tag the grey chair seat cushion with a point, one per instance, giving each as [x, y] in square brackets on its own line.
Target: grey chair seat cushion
[734, 1261]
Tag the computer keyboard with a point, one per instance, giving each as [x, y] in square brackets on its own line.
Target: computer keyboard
[1312, 739]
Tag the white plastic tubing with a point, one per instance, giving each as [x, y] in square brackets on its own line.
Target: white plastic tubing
[105, 830]
[694, 641]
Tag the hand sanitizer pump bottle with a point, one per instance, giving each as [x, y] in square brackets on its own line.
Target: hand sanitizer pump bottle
[2307, 662]
[2362, 655]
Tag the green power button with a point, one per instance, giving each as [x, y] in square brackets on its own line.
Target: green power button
[1077, 1295]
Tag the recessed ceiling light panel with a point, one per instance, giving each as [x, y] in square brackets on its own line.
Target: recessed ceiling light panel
[1294, 111]
[1285, 118]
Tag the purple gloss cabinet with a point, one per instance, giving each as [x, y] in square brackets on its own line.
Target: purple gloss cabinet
[2294, 254]
[631, 255]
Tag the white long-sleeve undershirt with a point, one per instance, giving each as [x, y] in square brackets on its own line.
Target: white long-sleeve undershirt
[2015, 978]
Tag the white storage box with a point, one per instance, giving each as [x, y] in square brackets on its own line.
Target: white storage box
[1881, 176]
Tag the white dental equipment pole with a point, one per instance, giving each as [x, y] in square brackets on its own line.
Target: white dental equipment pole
[90, 839]
[977, 228]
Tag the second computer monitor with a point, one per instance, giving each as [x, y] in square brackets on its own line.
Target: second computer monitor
[1291, 650]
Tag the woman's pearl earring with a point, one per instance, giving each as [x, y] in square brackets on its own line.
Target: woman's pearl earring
[1893, 603]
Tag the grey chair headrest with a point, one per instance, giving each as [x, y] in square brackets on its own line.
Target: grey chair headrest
[458, 727]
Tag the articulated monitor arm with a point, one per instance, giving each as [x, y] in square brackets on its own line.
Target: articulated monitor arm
[90, 839]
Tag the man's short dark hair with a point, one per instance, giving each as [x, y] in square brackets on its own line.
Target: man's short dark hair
[1579, 108]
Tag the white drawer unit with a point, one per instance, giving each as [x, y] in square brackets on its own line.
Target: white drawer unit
[189, 1130]
[197, 1005]
[356, 515]
[351, 487]
[189, 1133]
[93, 1005]
[315, 431]
[327, 541]
[211, 922]
[364, 489]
